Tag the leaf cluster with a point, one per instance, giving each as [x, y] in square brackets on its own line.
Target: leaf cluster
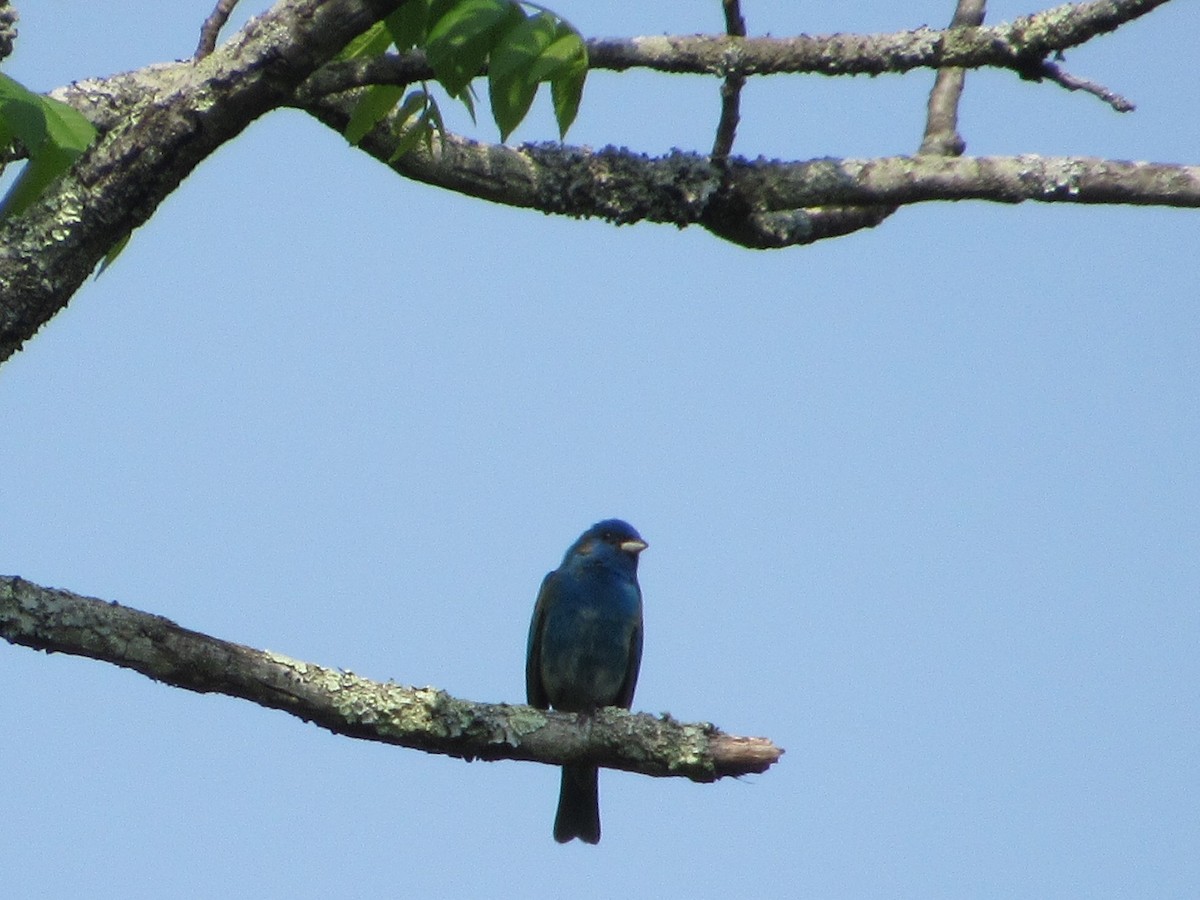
[519, 50]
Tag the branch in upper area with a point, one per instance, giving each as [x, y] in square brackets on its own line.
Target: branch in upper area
[941, 118]
[731, 87]
[158, 123]
[941, 137]
[1020, 45]
[190, 111]
[344, 703]
[211, 29]
[1010, 45]
[758, 203]
[1055, 73]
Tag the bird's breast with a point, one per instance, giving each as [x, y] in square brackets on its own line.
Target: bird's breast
[586, 646]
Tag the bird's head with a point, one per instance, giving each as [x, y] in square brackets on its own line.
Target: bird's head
[610, 539]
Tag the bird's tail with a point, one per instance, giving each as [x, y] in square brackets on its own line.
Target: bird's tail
[578, 805]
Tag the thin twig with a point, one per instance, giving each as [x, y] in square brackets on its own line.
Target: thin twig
[211, 29]
[390, 68]
[1018, 46]
[941, 119]
[731, 87]
[735, 24]
[1052, 72]
[1009, 45]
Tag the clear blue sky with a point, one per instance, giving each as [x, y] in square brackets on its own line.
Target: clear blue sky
[923, 504]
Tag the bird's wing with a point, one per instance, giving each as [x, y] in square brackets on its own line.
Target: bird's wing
[625, 697]
[535, 691]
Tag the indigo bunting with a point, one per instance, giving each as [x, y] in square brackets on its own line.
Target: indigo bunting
[585, 647]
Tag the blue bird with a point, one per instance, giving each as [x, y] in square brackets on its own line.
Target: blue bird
[585, 648]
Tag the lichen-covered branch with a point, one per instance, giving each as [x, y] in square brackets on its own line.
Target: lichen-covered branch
[1012, 45]
[158, 123]
[1020, 45]
[940, 137]
[8, 28]
[760, 203]
[1000, 179]
[187, 111]
[426, 719]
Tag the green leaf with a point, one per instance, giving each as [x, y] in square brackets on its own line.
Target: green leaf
[412, 136]
[113, 252]
[567, 52]
[520, 46]
[372, 42]
[432, 121]
[461, 39]
[54, 136]
[416, 100]
[409, 134]
[564, 65]
[24, 122]
[376, 102]
[10, 89]
[66, 127]
[566, 89]
[409, 24]
[435, 118]
[467, 97]
[39, 172]
[566, 94]
[439, 8]
[23, 114]
[510, 86]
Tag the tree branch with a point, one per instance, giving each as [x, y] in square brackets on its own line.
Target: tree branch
[211, 29]
[1001, 179]
[941, 118]
[731, 87]
[344, 703]
[158, 123]
[941, 137]
[769, 198]
[189, 109]
[1053, 72]
[1010, 46]
[1020, 46]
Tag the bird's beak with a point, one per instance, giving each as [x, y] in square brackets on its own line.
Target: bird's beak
[634, 546]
